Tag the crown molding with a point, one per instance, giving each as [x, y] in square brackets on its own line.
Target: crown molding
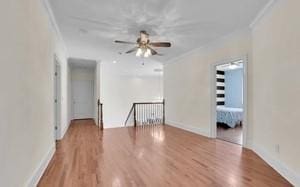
[219, 41]
[54, 24]
[210, 46]
[264, 11]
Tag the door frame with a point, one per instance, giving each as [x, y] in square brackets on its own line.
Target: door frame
[213, 129]
[57, 97]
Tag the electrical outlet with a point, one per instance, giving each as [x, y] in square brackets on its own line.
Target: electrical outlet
[277, 148]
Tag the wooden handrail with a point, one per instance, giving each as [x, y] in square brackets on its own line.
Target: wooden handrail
[148, 103]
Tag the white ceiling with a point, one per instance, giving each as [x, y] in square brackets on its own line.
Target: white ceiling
[89, 27]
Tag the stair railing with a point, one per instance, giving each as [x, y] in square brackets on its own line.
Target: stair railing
[100, 114]
[146, 113]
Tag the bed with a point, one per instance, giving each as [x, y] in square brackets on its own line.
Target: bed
[229, 116]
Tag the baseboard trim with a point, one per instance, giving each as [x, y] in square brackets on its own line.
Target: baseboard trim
[189, 128]
[276, 164]
[279, 166]
[63, 132]
[39, 171]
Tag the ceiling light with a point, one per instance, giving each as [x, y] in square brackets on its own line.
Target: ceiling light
[147, 53]
[139, 52]
[233, 66]
[114, 62]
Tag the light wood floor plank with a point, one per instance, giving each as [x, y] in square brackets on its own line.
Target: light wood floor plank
[152, 156]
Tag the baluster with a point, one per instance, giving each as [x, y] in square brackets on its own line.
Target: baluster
[157, 114]
[154, 114]
[139, 112]
[145, 114]
[142, 108]
[150, 114]
[161, 115]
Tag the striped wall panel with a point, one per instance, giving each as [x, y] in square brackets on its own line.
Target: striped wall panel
[220, 78]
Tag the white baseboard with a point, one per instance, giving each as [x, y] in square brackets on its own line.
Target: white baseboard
[63, 131]
[188, 128]
[39, 171]
[276, 164]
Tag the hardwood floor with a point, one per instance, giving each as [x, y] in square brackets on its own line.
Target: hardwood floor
[233, 135]
[152, 156]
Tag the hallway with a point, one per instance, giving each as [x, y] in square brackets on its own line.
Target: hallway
[152, 156]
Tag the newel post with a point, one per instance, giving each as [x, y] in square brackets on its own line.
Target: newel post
[134, 114]
[164, 112]
[101, 118]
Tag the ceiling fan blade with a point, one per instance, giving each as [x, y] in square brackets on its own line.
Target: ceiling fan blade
[124, 42]
[132, 50]
[153, 52]
[160, 44]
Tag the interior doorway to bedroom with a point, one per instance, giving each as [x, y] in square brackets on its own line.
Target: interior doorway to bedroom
[230, 101]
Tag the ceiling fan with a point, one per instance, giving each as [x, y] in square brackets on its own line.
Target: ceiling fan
[144, 48]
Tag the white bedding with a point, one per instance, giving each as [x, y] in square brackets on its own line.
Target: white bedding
[229, 116]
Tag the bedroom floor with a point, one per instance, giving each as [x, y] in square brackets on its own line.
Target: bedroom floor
[233, 135]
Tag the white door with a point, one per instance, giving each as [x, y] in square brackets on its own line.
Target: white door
[83, 96]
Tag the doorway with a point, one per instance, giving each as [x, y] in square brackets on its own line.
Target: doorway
[83, 92]
[230, 101]
[57, 97]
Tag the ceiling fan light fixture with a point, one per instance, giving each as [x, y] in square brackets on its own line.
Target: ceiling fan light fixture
[233, 66]
[143, 46]
[139, 52]
[147, 53]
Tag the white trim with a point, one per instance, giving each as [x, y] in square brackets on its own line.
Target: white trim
[63, 132]
[189, 128]
[54, 24]
[269, 6]
[39, 171]
[276, 164]
[213, 128]
[57, 123]
[213, 44]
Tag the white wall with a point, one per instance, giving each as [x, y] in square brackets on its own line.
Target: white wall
[276, 87]
[273, 87]
[187, 82]
[27, 85]
[118, 93]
